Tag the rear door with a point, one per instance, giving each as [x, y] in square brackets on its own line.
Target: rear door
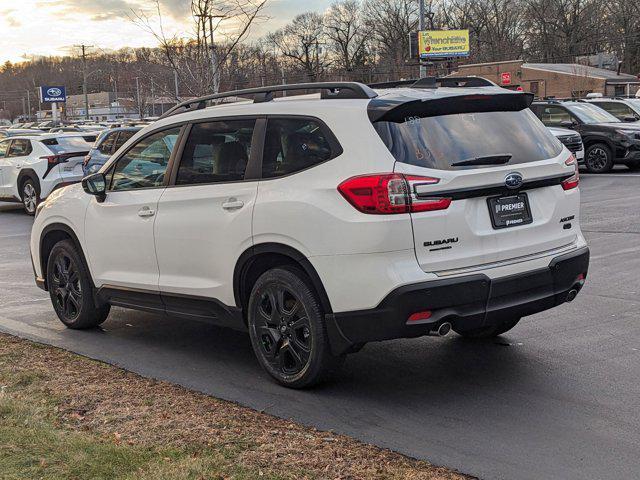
[503, 173]
[204, 216]
[4, 146]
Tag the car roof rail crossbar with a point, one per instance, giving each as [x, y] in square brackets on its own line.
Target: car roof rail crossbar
[329, 90]
[435, 82]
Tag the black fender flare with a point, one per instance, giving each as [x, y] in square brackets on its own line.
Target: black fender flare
[28, 173]
[245, 260]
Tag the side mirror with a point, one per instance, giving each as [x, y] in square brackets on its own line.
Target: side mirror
[630, 119]
[96, 184]
[567, 124]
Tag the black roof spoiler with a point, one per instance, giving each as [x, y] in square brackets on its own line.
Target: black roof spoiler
[400, 109]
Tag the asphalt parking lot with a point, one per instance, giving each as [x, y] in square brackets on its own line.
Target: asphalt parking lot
[557, 397]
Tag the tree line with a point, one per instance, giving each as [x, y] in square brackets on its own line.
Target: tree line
[365, 40]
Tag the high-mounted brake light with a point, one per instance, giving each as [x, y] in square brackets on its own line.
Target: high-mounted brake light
[574, 180]
[389, 193]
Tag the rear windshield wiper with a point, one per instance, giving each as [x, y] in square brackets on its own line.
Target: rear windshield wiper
[499, 159]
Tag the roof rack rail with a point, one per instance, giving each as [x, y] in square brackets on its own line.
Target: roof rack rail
[435, 82]
[329, 90]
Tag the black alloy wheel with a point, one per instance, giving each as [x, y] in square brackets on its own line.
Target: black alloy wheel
[598, 158]
[71, 289]
[66, 287]
[287, 329]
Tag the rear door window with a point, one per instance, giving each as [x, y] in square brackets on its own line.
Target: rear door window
[106, 146]
[216, 151]
[67, 144]
[439, 142]
[20, 147]
[294, 144]
[123, 136]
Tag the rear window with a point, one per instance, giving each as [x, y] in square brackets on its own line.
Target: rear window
[67, 144]
[438, 142]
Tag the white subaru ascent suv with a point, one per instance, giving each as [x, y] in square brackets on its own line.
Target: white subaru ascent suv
[319, 223]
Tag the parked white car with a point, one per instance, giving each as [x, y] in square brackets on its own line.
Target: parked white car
[571, 140]
[31, 167]
[320, 223]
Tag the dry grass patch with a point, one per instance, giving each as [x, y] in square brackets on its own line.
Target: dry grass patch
[65, 416]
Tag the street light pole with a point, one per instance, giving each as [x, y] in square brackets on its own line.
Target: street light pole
[423, 68]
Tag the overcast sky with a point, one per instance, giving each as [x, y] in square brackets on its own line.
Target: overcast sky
[52, 27]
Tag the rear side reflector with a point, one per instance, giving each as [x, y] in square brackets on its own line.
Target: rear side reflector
[389, 193]
[420, 316]
[574, 180]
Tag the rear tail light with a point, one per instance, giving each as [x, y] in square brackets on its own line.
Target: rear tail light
[574, 180]
[389, 193]
[52, 159]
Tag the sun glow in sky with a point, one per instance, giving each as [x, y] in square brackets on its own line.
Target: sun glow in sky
[52, 27]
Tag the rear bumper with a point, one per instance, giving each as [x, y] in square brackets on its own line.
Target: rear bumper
[466, 302]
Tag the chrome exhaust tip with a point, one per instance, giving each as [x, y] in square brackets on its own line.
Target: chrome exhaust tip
[573, 293]
[442, 330]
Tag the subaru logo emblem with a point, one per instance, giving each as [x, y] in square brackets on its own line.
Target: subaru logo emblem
[513, 181]
[54, 92]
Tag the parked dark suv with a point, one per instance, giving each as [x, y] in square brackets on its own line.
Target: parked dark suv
[108, 142]
[606, 139]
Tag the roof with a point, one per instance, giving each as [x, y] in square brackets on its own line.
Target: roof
[583, 70]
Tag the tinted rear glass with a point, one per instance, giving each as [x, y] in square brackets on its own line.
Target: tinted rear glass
[67, 144]
[438, 142]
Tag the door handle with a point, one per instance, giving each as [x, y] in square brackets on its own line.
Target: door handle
[146, 212]
[233, 204]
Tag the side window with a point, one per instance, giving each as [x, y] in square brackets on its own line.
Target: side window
[106, 145]
[618, 110]
[293, 144]
[20, 148]
[145, 164]
[554, 116]
[123, 136]
[3, 148]
[216, 152]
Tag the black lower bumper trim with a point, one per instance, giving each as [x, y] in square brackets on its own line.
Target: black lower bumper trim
[466, 302]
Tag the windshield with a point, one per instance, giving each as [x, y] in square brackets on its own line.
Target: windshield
[634, 103]
[67, 144]
[439, 142]
[588, 113]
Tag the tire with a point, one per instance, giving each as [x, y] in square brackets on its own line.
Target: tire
[287, 329]
[598, 158]
[489, 331]
[71, 288]
[29, 195]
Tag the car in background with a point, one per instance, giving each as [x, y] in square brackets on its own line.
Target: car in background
[570, 139]
[14, 132]
[624, 109]
[107, 143]
[32, 166]
[607, 140]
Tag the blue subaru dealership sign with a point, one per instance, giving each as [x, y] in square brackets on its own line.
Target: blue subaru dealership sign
[51, 94]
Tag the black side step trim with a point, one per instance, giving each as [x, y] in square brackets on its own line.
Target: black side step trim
[208, 310]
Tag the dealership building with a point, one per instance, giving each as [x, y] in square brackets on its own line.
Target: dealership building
[561, 80]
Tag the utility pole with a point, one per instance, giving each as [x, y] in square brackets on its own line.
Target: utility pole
[24, 111]
[83, 47]
[29, 104]
[423, 68]
[138, 98]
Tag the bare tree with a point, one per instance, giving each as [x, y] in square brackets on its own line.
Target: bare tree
[345, 30]
[303, 42]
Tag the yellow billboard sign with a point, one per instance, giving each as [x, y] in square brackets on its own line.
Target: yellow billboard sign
[443, 43]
